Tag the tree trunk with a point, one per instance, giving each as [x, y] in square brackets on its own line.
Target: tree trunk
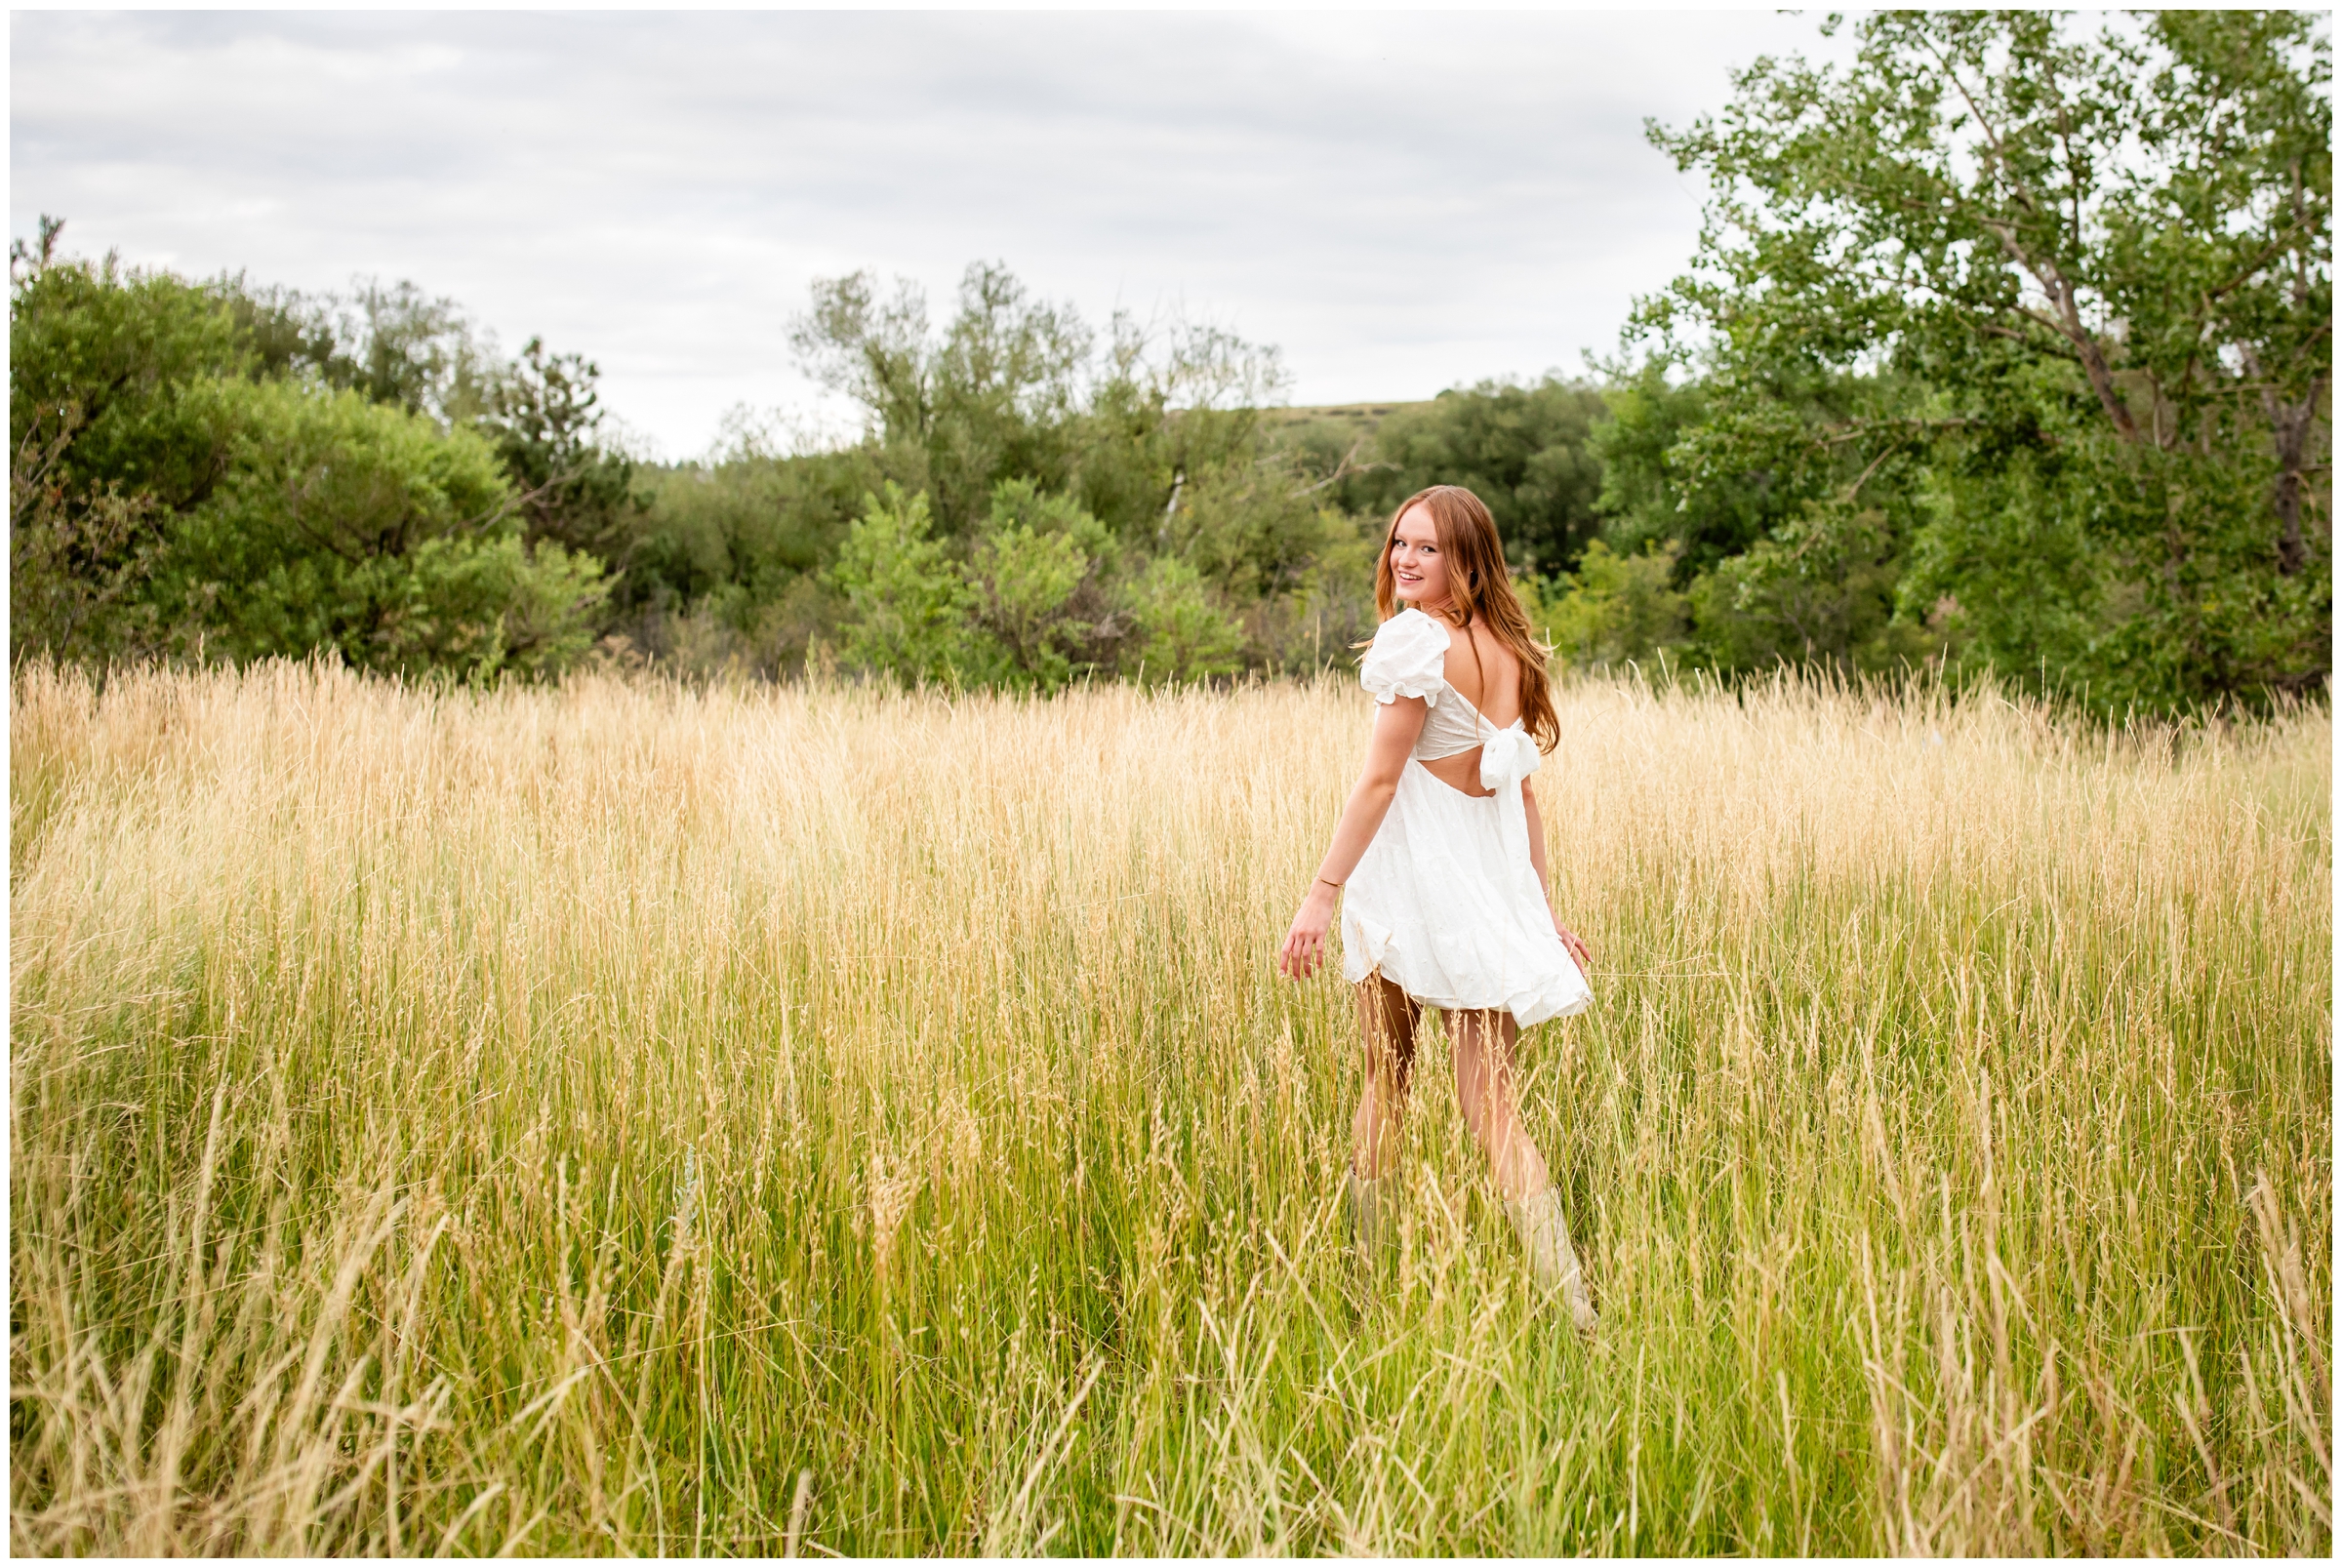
[2093, 363]
[2068, 324]
[2290, 431]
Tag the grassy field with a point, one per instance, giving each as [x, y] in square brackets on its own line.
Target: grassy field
[623, 1118]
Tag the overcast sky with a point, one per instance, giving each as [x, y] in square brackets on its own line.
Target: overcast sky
[1402, 202]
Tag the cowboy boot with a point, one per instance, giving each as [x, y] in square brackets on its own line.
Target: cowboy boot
[1552, 1262]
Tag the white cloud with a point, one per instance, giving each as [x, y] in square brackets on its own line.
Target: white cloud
[1401, 201]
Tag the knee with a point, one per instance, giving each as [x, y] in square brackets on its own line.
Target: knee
[1485, 1105]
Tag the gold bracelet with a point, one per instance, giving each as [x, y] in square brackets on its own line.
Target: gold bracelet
[1336, 886]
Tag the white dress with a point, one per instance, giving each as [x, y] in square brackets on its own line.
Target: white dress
[1445, 901]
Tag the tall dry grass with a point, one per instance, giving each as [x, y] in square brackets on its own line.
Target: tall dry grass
[630, 1118]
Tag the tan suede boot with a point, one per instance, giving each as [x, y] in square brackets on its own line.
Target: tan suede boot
[1544, 1233]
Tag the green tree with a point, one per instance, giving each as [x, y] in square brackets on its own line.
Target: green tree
[990, 398]
[112, 366]
[1016, 388]
[1172, 409]
[744, 530]
[1183, 635]
[1254, 528]
[115, 428]
[1528, 452]
[365, 528]
[1613, 609]
[1155, 434]
[398, 346]
[910, 606]
[2037, 296]
[1821, 589]
[391, 343]
[1036, 571]
[78, 558]
[545, 419]
[164, 503]
[1645, 503]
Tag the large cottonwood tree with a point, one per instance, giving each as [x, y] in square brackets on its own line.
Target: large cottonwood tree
[2047, 311]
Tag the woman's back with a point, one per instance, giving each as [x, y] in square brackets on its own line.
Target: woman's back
[1486, 674]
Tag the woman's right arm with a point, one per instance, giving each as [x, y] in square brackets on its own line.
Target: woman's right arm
[1396, 724]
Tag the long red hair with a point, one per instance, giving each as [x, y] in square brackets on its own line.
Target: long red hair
[1478, 588]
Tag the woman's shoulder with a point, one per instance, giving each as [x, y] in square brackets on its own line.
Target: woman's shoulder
[1409, 658]
[1411, 630]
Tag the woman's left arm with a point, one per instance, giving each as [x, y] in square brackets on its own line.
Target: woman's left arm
[1397, 724]
[1545, 885]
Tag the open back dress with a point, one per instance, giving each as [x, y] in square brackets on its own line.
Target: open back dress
[1445, 903]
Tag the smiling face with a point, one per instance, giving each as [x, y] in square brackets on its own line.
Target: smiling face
[1417, 564]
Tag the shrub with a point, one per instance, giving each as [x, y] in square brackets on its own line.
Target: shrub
[1182, 634]
[1614, 608]
[1034, 572]
[365, 528]
[909, 606]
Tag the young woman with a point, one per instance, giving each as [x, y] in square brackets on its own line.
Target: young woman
[1443, 855]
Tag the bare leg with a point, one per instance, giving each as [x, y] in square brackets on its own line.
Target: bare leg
[1483, 1045]
[1484, 1048]
[1387, 1020]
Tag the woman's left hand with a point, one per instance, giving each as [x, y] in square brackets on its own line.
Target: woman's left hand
[1569, 940]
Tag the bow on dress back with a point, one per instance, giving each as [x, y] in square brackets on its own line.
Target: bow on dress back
[1507, 756]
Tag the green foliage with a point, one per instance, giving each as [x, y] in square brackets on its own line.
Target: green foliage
[390, 343]
[1035, 571]
[365, 528]
[77, 557]
[1183, 635]
[1613, 609]
[745, 525]
[1037, 603]
[478, 607]
[544, 416]
[1530, 452]
[2006, 349]
[1084, 458]
[1172, 410]
[988, 398]
[163, 501]
[113, 368]
[1644, 501]
[1025, 580]
[1820, 591]
[400, 346]
[1014, 388]
[2029, 296]
[1252, 528]
[909, 606]
[115, 425]
[229, 470]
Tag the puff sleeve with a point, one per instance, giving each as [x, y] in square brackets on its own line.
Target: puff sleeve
[1408, 659]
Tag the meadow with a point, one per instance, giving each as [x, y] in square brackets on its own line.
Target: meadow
[631, 1117]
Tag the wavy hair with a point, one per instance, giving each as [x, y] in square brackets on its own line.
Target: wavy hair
[1478, 587]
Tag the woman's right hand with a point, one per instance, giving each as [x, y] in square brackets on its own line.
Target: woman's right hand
[1576, 947]
[1305, 944]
